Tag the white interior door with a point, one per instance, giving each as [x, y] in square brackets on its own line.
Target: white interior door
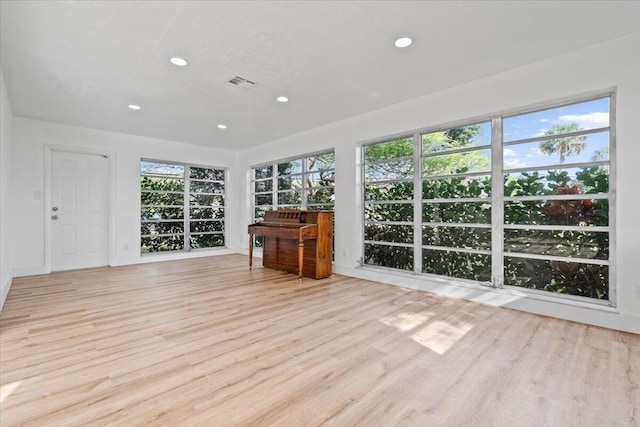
[79, 211]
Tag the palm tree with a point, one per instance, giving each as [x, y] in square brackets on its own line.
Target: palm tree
[566, 146]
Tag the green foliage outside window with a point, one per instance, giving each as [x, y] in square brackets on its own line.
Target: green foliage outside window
[163, 225]
[572, 278]
[392, 202]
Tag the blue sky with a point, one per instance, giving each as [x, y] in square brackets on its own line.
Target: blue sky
[587, 115]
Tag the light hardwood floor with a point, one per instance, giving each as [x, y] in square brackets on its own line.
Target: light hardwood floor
[208, 342]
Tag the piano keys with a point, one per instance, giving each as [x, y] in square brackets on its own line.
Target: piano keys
[296, 241]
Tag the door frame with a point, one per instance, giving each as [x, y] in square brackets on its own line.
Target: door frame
[48, 173]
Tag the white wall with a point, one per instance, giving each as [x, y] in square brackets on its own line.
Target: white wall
[611, 64]
[30, 141]
[6, 122]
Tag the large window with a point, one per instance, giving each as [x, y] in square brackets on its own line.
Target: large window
[182, 207]
[546, 228]
[301, 183]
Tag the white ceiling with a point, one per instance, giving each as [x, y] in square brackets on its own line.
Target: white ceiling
[82, 62]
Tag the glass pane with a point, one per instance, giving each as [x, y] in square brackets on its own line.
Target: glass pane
[569, 118]
[322, 195]
[263, 199]
[290, 183]
[321, 161]
[206, 240]
[388, 256]
[448, 164]
[389, 212]
[457, 237]
[206, 200]
[260, 211]
[399, 169]
[467, 136]
[577, 149]
[263, 172]
[290, 167]
[558, 212]
[402, 147]
[206, 173]
[206, 226]
[207, 213]
[389, 233]
[162, 199]
[161, 184]
[587, 280]
[162, 227]
[289, 197]
[389, 191]
[161, 244]
[591, 180]
[207, 187]
[465, 212]
[158, 168]
[321, 179]
[262, 186]
[457, 264]
[579, 244]
[162, 213]
[454, 188]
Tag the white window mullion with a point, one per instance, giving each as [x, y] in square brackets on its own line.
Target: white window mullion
[187, 213]
[274, 190]
[497, 205]
[303, 196]
[613, 299]
[417, 203]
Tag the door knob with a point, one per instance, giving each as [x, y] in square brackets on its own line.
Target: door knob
[54, 217]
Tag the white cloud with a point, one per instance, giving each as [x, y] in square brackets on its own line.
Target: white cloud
[514, 164]
[508, 152]
[587, 121]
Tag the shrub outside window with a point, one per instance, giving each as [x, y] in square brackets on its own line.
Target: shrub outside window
[182, 206]
[545, 227]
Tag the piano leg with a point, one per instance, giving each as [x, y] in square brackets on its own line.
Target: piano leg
[250, 251]
[300, 256]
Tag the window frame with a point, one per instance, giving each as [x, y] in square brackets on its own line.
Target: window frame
[186, 206]
[304, 172]
[498, 221]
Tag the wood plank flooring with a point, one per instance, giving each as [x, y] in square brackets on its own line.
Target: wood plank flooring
[206, 342]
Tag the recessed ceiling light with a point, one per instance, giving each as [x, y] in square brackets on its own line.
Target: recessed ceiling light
[134, 107]
[403, 42]
[282, 99]
[221, 126]
[180, 62]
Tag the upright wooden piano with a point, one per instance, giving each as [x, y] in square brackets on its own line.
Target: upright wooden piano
[295, 241]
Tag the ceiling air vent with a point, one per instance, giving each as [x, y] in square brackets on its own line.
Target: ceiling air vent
[241, 83]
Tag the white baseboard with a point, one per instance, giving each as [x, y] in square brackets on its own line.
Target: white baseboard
[5, 291]
[29, 271]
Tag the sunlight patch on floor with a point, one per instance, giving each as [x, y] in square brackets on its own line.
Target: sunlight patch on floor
[7, 389]
[440, 336]
[406, 321]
